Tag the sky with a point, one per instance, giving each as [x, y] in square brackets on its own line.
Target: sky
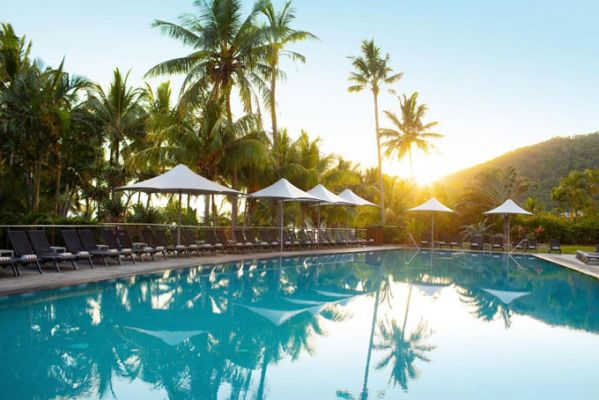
[496, 75]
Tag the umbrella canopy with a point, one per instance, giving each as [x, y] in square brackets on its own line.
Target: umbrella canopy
[326, 196]
[432, 205]
[282, 190]
[354, 199]
[508, 207]
[180, 179]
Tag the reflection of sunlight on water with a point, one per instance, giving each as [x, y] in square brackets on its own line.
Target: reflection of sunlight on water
[94, 311]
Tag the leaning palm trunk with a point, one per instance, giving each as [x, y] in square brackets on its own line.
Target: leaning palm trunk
[273, 107]
[378, 154]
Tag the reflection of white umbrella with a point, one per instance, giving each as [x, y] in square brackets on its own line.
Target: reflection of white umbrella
[354, 200]
[172, 338]
[433, 205]
[277, 317]
[508, 208]
[179, 180]
[430, 290]
[506, 296]
[282, 190]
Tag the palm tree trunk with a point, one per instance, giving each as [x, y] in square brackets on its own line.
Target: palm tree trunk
[207, 210]
[37, 183]
[273, 106]
[58, 179]
[410, 159]
[378, 154]
[364, 394]
[260, 394]
[405, 318]
[233, 199]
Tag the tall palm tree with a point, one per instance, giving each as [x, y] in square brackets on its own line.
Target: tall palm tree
[120, 113]
[372, 71]
[278, 34]
[226, 52]
[409, 131]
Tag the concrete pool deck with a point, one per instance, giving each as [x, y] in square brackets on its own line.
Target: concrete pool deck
[31, 281]
[570, 261]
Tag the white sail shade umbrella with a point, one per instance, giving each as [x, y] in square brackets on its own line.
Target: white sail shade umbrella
[506, 209]
[179, 180]
[353, 200]
[325, 196]
[433, 206]
[282, 190]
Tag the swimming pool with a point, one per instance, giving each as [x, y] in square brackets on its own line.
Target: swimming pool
[378, 325]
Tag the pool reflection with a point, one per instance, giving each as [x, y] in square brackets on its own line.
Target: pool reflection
[217, 331]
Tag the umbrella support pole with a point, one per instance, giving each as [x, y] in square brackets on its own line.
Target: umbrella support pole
[432, 231]
[179, 222]
[281, 220]
[317, 236]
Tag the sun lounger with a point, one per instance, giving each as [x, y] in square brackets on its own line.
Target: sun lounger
[162, 244]
[497, 243]
[189, 241]
[531, 245]
[138, 248]
[89, 244]
[477, 242]
[588, 257]
[227, 243]
[267, 237]
[24, 253]
[113, 244]
[74, 246]
[9, 261]
[555, 246]
[213, 241]
[47, 253]
[239, 237]
[455, 242]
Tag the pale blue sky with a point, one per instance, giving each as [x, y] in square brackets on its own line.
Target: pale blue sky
[496, 75]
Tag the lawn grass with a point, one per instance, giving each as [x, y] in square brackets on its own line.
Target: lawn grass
[571, 248]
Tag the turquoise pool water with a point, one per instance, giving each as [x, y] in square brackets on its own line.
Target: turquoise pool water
[383, 325]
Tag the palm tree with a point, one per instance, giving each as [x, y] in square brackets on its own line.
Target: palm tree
[403, 351]
[226, 52]
[409, 131]
[278, 34]
[120, 113]
[371, 71]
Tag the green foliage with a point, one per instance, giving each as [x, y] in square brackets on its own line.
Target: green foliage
[544, 164]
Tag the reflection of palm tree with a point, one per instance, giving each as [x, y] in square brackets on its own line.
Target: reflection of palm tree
[402, 351]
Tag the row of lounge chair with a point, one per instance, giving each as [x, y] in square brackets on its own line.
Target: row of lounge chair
[477, 242]
[32, 247]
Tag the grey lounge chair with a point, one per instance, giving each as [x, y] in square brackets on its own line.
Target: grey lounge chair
[9, 261]
[213, 242]
[189, 242]
[138, 248]
[477, 242]
[75, 247]
[24, 253]
[47, 253]
[89, 244]
[113, 244]
[555, 246]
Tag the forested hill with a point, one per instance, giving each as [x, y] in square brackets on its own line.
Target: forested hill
[543, 163]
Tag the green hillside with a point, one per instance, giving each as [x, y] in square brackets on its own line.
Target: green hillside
[543, 163]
